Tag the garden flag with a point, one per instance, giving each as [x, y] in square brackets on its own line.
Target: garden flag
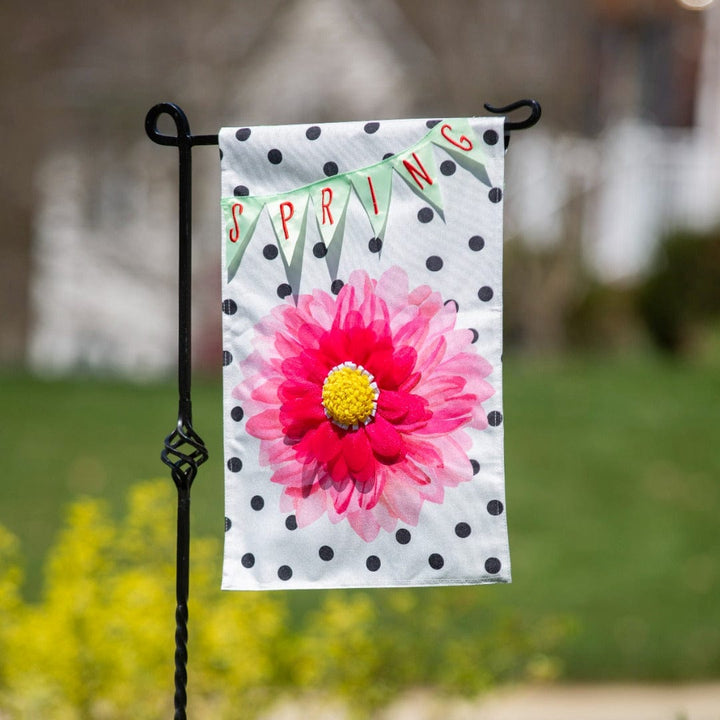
[362, 331]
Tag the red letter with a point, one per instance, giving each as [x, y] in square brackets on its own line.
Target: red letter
[418, 172]
[284, 217]
[464, 144]
[235, 229]
[326, 205]
[372, 192]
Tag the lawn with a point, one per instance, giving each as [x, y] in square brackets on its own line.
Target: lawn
[612, 481]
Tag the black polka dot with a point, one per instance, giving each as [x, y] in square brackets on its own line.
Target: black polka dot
[403, 536]
[229, 307]
[228, 524]
[436, 561]
[434, 263]
[257, 503]
[462, 530]
[330, 168]
[454, 302]
[493, 565]
[375, 245]
[227, 357]
[485, 293]
[234, 464]
[371, 127]
[284, 290]
[284, 572]
[475, 335]
[247, 560]
[475, 466]
[476, 243]
[221, 154]
[425, 215]
[447, 167]
[431, 123]
[270, 252]
[373, 563]
[490, 137]
[495, 195]
[495, 418]
[274, 156]
[241, 191]
[237, 413]
[319, 250]
[336, 287]
[312, 133]
[242, 134]
[387, 156]
[326, 553]
[495, 507]
[291, 522]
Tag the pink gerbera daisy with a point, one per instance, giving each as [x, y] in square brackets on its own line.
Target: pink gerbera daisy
[360, 401]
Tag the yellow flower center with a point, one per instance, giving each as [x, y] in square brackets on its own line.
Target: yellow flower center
[349, 395]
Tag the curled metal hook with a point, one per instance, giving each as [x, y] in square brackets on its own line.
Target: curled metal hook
[184, 137]
[535, 113]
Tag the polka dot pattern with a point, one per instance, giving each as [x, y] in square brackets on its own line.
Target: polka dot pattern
[375, 245]
[270, 252]
[227, 358]
[434, 263]
[373, 563]
[283, 290]
[330, 168]
[425, 215]
[448, 167]
[275, 156]
[485, 293]
[436, 561]
[313, 132]
[237, 413]
[326, 553]
[403, 536]
[234, 464]
[371, 127]
[229, 307]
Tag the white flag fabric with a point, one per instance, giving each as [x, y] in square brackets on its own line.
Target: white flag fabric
[362, 331]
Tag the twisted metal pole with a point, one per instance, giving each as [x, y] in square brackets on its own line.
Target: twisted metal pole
[184, 450]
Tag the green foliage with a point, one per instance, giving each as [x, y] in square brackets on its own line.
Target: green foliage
[98, 645]
[682, 293]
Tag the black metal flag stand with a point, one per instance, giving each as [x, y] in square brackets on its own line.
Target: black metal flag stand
[184, 450]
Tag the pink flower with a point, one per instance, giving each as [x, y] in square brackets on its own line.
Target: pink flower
[360, 401]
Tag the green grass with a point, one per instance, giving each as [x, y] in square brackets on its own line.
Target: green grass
[613, 482]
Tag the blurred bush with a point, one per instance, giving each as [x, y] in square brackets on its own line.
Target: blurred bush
[98, 646]
[680, 299]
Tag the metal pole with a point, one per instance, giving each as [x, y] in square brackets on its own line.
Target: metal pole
[184, 450]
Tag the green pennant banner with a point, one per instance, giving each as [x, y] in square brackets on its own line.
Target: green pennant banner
[287, 215]
[330, 200]
[241, 216]
[417, 168]
[373, 186]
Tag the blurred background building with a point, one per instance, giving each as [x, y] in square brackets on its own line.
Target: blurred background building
[627, 148]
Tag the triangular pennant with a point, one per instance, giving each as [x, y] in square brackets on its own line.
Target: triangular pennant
[330, 200]
[240, 215]
[373, 187]
[456, 137]
[287, 214]
[417, 168]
